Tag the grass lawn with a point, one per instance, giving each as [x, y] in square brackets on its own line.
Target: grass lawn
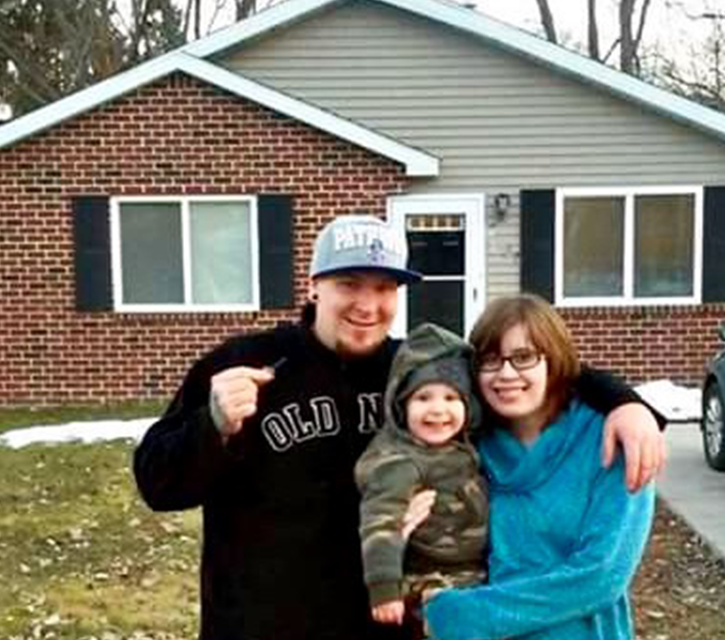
[82, 558]
[80, 554]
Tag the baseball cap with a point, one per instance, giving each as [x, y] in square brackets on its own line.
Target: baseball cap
[362, 243]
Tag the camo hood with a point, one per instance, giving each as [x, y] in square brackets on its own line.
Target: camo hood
[430, 354]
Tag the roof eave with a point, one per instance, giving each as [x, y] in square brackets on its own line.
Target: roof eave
[278, 15]
[81, 101]
[416, 162]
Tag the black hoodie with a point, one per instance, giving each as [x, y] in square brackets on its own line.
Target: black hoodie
[281, 553]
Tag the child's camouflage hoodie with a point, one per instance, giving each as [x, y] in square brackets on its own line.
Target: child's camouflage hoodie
[449, 547]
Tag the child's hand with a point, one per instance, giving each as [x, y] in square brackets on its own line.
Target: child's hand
[418, 510]
[389, 612]
[429, 593]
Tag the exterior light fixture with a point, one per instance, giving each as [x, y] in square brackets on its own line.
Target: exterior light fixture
[501, 204]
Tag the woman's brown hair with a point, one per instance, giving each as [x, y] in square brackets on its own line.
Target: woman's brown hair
[548, 334]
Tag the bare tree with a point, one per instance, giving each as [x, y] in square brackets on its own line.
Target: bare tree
[593, 30]
[703, 79]
[49, 48]
[194, 20]
[629, 39]
[547, 20]
[245, 8]
[632, 20]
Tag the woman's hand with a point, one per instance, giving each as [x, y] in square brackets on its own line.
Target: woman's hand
[633, 426]
[418, 510]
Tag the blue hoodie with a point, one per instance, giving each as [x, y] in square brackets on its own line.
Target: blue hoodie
[566, 537]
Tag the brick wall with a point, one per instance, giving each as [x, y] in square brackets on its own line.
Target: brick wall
[177, 136]
[649, 343]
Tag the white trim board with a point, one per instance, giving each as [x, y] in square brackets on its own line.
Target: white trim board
[187, 306]
[628, 298]
[473, 207]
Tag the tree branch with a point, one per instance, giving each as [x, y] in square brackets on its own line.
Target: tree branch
[642, 21]
[36, 84]
[547, 20]
[611, 50]
[593, 30]
[626, 51]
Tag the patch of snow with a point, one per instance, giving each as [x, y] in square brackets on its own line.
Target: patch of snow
[677, 404]
[77, 431]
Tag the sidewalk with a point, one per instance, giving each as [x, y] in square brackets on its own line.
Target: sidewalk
[691, 488]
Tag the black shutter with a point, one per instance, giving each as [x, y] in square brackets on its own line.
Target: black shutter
[275, 251]
[537, 208]
[92, 239]
[713, 255]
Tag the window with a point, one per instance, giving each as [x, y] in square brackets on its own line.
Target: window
[185, 254]
[630, 246]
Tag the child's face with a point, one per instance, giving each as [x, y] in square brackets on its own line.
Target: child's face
[435, 413]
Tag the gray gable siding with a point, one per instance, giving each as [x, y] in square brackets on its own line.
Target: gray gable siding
[498, 122]
[493, 118]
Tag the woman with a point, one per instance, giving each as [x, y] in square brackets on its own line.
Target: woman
[566, 535]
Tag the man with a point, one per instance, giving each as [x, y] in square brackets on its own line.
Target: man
[264, 434]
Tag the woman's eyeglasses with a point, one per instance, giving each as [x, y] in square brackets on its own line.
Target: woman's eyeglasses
[519, 360]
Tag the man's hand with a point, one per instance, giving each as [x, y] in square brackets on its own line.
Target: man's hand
[634, 427]
[233, 397]
[389, 612]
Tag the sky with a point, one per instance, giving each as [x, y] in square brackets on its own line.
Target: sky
[667, 19]
[667, 16]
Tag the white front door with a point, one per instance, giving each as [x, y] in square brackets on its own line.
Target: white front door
[446, 238]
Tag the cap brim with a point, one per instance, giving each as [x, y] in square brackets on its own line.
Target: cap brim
[402, 276]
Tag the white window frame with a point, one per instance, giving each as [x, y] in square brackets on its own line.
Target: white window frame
[187, 306]
[628, 298]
